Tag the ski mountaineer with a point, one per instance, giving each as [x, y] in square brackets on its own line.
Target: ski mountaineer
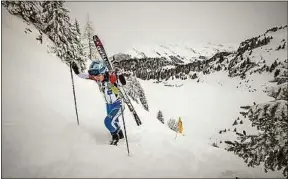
[109, 84]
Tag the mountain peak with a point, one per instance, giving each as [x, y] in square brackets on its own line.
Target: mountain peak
[181, 52]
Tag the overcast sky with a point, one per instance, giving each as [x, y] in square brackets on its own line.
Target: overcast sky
[121, 25]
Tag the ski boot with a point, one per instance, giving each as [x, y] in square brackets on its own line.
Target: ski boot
[116, 136]
[120, 133]
[115, 139]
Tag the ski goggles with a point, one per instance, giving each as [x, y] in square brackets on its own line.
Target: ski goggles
[94, 72]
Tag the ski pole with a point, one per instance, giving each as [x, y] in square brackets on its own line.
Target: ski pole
[125, 131]
[74, 93]
[129, 104]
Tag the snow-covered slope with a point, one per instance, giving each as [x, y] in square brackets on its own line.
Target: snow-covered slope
[178, 53]
[265, 55]
[41, 138]
[270, 52]
[259, 53]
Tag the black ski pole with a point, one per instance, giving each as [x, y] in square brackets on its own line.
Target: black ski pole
[74, 93]
[125, 131]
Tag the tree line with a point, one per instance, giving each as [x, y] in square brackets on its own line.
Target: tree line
[52, 18]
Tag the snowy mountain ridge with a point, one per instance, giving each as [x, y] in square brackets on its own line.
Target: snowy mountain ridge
[177, 53]
[183, 53]
[267, 52]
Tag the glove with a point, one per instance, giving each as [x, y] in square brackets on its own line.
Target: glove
[112, 78]
[75, 68]
[122, 79]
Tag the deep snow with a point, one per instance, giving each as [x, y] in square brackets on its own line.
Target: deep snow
[41, 138]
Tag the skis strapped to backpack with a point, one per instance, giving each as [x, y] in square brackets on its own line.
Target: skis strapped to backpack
[101, 50]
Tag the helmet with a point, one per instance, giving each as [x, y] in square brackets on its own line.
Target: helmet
[97, 67]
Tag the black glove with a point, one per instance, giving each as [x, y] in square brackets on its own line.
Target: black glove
[75, 68]
[122, 79]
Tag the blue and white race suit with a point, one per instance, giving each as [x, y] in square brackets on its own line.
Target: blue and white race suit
[113, 103]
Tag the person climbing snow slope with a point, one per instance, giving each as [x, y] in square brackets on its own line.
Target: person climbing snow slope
[108, 83]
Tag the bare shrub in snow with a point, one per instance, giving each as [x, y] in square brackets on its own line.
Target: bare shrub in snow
[172, 124]
[160, 116]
